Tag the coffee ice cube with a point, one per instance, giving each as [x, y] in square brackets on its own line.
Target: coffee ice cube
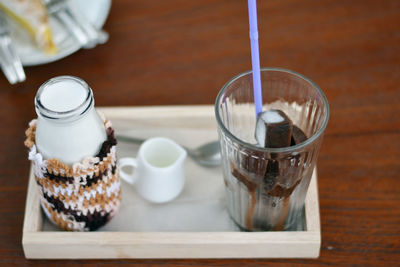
[298, 136]
[271, 173]
[273, 129]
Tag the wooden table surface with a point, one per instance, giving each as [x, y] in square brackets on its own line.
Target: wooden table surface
[181, 52]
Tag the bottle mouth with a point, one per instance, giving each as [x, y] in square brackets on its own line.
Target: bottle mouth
[63, 98]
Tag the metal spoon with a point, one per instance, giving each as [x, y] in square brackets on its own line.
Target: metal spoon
[85, 33]
[208, 155]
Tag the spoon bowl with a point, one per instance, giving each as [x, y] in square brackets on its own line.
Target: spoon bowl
[208, 154]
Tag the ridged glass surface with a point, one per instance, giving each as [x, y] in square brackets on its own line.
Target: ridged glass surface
[266, 188]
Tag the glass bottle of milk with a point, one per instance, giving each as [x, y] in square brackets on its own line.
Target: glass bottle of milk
[68, 127]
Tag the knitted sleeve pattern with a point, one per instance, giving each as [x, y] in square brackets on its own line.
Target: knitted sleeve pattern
[81, 197]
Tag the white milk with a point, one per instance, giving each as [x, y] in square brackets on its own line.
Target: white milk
[68, 126]
[63, 96]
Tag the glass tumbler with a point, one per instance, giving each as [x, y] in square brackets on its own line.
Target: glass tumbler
[266, 187]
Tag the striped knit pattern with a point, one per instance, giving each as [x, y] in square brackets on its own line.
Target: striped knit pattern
[79, 198]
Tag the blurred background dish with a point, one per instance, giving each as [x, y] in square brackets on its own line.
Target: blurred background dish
[96, 11]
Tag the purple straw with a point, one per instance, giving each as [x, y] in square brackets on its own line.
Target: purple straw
[255, 56]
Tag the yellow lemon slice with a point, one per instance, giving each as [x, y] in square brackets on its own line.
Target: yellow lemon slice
[32, 15]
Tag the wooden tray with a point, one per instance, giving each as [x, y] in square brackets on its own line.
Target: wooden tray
[43, 242]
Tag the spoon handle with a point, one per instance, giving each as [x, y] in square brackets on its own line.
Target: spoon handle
[130, 139]
[139, 141]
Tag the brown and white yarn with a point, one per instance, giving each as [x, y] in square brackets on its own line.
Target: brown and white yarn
[82, 197]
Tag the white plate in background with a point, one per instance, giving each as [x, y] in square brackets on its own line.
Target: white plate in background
[96, 11]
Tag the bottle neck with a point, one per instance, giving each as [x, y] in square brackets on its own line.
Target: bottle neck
[64, 99]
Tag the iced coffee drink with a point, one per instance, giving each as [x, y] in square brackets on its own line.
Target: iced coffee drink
[269, 158]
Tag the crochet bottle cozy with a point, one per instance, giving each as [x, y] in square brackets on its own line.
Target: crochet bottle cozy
[82, 197]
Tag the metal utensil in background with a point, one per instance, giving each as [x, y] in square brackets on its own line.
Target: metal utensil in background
[208, 155]
[96, 36]
[85, 33]
[9, 60]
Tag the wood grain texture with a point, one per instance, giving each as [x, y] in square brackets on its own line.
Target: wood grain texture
[182, 52]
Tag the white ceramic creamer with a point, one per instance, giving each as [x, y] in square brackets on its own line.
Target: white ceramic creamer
[159, 169]
[68, 127]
